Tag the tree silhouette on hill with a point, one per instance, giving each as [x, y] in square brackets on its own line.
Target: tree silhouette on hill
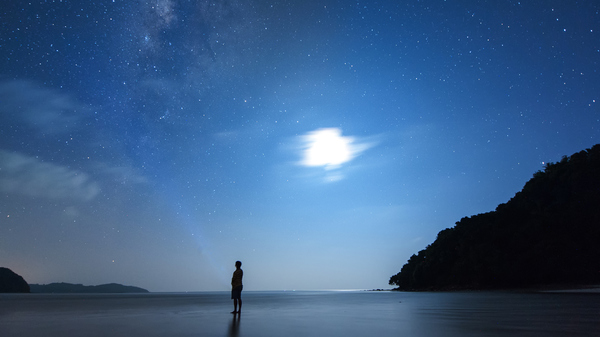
[548, 233]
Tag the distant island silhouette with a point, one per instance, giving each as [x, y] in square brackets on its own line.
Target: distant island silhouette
[69, 288]
[11, 282]
[547, 234]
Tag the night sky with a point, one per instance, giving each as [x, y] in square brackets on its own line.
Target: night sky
[322, 143]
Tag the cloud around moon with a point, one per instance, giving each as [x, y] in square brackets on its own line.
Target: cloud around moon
[327, 148]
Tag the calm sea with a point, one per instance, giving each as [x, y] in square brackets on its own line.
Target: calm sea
[293, 314]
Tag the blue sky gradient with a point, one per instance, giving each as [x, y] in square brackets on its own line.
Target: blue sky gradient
[321, 143]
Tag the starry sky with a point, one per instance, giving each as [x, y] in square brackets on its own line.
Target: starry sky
[322, 143]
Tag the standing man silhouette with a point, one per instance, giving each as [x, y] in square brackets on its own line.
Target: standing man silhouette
[236, 288]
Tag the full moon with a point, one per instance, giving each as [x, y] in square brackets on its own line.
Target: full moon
[327, 147]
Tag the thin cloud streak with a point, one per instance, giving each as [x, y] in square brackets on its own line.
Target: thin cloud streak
[29, 176]
[48, 110]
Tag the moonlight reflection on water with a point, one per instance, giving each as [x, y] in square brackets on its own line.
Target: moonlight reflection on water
[345, 314]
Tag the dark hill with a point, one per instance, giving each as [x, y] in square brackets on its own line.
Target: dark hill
[11, 282]
[79, 288]
[549, 233]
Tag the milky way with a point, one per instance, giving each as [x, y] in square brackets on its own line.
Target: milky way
[154, 143]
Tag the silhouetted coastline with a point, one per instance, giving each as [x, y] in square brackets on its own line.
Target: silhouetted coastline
[11, 282]
[69, 288]
[545, 236]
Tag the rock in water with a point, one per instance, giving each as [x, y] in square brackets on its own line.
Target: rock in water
[11, 282]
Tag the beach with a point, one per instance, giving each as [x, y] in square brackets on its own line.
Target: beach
[302, 313]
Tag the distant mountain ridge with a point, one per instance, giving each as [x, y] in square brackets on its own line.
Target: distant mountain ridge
[548, 233]
[70, 288]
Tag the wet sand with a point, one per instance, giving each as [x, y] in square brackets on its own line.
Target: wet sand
[303, 314]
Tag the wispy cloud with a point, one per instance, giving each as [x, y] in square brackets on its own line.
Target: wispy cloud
[47, 110]
[124, 175]
[43, 113]
[29, 176]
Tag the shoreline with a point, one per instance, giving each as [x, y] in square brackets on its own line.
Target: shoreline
[556, 288]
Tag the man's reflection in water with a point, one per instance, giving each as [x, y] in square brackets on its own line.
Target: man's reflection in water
[234, 327]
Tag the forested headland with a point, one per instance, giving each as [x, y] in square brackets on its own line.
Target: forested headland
[11, 282]
[548, 233]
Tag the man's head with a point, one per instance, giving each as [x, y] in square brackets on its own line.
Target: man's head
[238, 264]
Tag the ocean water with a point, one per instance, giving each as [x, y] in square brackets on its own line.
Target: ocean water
[347, 314]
